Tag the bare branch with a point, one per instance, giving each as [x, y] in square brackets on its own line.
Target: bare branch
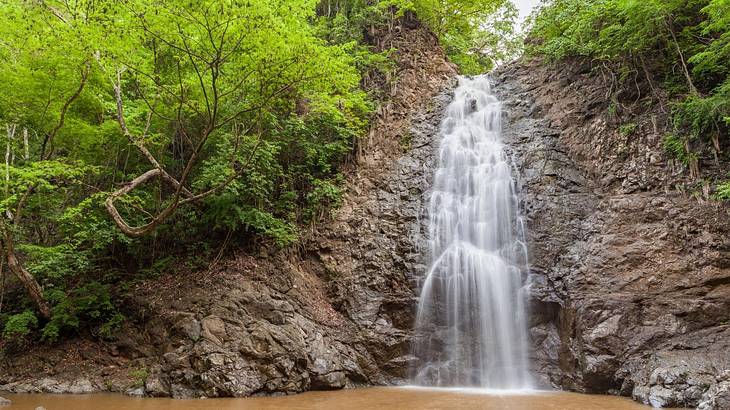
[127, 229]
[50, 136]
[139, 142]
[190, 55]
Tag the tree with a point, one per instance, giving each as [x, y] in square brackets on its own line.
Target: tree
[157, 95]
[477, 34]
[38, 100]
[212, 64]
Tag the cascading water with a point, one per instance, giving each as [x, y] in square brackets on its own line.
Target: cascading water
[471, 326]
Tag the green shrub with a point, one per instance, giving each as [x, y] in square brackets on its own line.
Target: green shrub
[20, 325]
[89, 304]
[139, 376]
[704, 116]
[723, 191]
[325, 196]
[55, 263]
[627, 129]
[675, 146]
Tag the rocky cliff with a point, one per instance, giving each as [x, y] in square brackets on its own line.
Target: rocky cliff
[630, 283]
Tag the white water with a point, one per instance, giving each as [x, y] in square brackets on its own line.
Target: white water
[471, 322]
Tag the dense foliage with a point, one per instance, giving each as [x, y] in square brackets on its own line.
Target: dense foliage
[684, 45]
[235, 115]
[476, 34]
[142, 136]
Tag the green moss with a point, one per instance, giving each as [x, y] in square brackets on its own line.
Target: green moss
[627, 129]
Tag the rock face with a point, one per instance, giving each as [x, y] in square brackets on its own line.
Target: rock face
[256, 336]
[630, 283]
[372, 252]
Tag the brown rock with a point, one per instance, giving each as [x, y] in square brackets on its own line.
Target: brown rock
[629, 274]
[213, 329]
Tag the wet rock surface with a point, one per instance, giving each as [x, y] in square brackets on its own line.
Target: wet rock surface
[375, 249]
[630, 276]
[80, 385]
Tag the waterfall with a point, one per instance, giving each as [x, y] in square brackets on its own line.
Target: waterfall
[471, 328]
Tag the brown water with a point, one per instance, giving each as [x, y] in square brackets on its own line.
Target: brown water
[360, 399]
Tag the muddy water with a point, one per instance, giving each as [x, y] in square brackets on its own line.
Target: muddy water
[360, 399]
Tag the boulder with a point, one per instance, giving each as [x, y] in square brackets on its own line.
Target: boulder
[136, 391]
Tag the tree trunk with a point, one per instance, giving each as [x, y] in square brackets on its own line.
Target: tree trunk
[8, 151]
[26, 149]
[25, 277]
[685, 70]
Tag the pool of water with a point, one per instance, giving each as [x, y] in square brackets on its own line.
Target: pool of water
[401, 398]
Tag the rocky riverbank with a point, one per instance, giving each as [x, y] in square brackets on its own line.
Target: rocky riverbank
[630, 284]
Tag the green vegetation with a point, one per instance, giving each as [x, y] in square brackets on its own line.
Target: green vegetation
[681, 45]
[627, 129]
[139, 376]
[20, 325]
[475, 33]
[140, 136]
[723, 191]
[134, 128]
[677, 148]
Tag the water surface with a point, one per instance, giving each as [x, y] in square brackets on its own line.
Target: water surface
[357, 399]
